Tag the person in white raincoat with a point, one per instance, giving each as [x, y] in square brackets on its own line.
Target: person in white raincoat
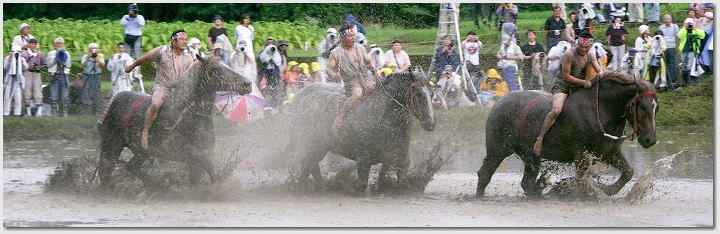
[120, 80]
[14, 82]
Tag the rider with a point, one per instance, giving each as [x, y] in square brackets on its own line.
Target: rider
[353, 64]
[171, 63]
[573, 75]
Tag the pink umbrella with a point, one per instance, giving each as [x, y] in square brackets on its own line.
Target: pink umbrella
[240, 108]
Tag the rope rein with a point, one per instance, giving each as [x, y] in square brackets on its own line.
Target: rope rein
[633, 108]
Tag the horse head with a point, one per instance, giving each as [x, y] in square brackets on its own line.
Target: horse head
[219, 77]
[639, 100]
[413, 91]
[642, 113]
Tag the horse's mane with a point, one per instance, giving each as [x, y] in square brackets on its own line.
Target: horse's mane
[622, 78]
[185, 86]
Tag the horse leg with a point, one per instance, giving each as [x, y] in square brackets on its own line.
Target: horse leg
[495, 155]
[135, 167]
[529, 181]
[310, 165]
[619, 162]
[582, 171]
[109, 154]
[363, 172]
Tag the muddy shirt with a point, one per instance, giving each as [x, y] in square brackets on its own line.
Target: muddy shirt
[563, 86]
[353, 73]
[168, 69]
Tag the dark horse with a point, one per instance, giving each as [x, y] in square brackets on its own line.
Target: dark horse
[183, 130]
[375, 130]
[592, 121]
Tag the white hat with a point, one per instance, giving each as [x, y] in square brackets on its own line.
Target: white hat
[643, 28]
[709, 15]
[194, 41]
[505, 38]
[331, 30]
[59, 40]
[23, 25]
[93, 45]
[689, 21]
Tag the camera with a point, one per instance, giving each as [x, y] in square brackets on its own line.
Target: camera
[332, 37]
[272, 49]
[93, 55]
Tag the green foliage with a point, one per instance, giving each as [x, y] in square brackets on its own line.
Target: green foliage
[692, 105]
[107, 33]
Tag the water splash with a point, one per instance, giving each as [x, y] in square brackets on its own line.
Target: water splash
[645, 183]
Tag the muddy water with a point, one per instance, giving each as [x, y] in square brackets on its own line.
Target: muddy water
[257, 197]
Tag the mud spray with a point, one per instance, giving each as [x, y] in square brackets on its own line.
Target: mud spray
[248, 158]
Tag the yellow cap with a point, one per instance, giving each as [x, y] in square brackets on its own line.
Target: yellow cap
[492, 73]
[290, 97]
[304, 67]
[292, 64]
[315, 66]
[392, 65]
[386, 71]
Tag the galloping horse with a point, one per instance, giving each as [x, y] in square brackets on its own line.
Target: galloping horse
[592, 121]
[376, 129]
[183, 130]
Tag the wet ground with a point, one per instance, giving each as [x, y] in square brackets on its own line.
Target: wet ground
[257, 197]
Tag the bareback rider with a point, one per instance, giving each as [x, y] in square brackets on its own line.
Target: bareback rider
[573, 75]
[353, 65]
[171, 63]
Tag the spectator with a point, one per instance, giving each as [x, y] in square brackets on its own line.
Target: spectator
[450, 81]
[492, 89]
[508, 54]
[14, 82]
[193, 48]
[635, 12]
[653, 12]
[690, 38]
[33, 81]
[315, 72]
[245, 32]
[692, 13]
[398, 56]
[706, 54]
[616, 36]
[19, 42]
[92, 64]
[445, 55]
[554, 27]
[706, 21]
[283, 48]
[471, 50]
[292, 77]
[438, 98]
[58, 62]
[656, 46]
[561, 6]
[572, 29]
[304, 78]
[530, 81]
[640, 49]
[508, 12]
[670, 32]
[133, 23]
[269, 41]
[217, 30]
[121, 81]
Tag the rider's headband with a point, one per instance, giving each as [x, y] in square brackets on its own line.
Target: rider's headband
[585, 41]
[349, 31]
[180, 35]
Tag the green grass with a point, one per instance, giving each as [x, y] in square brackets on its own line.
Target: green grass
[693, 105]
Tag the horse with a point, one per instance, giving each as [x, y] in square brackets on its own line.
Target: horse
[592, 121]
[183, 130]
[376, 130]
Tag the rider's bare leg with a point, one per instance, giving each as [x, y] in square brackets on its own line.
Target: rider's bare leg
[558, 102]
[356, 94]
[157, 100]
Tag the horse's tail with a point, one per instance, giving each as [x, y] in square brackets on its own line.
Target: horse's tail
[103, 114]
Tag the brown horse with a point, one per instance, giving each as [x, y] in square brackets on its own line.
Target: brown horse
[593, 121]
[183, 130]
